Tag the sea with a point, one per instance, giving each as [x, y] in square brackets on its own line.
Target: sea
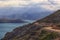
[8, 27]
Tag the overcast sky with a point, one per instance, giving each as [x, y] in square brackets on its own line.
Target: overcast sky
[48, 4]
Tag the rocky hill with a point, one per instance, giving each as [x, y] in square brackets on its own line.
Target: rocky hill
[47, 28]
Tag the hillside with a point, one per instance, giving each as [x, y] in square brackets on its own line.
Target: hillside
[5, 20]
[47, 28]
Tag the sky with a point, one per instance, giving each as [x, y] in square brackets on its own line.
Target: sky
[47, 4]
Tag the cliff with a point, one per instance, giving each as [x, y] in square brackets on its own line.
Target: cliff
[47, 28]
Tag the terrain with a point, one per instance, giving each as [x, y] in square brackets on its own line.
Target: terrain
[47, 28]
[6, 20]
[26, 13]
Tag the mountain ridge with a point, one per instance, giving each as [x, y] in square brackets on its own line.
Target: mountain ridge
[6, 20]
[44, 29]
[27, 13]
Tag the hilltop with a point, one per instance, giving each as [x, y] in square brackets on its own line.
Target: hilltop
[47, 28]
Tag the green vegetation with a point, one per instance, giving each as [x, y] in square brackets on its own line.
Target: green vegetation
[47, 36]
[44, 35]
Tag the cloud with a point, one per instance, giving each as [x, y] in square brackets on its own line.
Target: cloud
[14, 0]
[20, 2]
[48, 4]
[55, 3]
[13, 3]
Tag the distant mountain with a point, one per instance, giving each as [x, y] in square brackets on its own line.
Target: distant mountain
[5, 20]
[43, 29]
[28, 13]
[36, 15]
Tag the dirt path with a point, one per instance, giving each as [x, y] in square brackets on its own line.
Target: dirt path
[50, 28]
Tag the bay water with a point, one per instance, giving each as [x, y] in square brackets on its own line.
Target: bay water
[8, 27]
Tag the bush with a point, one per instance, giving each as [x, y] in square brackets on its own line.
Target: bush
[47, 36]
